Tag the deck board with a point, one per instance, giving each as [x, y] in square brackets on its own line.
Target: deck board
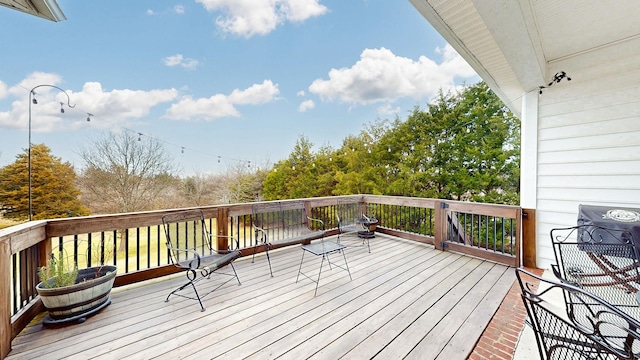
[406, 299]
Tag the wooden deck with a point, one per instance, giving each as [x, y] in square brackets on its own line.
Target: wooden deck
[406, 300]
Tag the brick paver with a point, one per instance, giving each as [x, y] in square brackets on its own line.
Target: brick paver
[499, 339]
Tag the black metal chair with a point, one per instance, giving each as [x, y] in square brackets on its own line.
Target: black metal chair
[281, 224]
[191, 249]
[600, 332]
[353, 220]
[324, 248]
[601, 261]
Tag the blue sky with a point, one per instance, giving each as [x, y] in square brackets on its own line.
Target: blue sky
[235, 80]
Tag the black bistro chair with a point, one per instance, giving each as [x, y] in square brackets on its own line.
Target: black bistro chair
[190, 248]
[601, 261]
[600, 332]
[352, 220]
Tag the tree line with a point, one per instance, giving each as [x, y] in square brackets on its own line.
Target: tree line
[463, 146]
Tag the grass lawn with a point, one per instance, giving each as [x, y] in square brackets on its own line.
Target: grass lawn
[5, 223]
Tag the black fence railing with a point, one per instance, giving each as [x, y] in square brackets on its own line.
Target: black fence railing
[486, 232]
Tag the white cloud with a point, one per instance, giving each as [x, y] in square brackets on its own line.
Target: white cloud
[179, 60]
[259, 17]
[217, 106]
[306, 105]
[178, 9]
[34, 79]
[120, 104]
[150, 12]
[256, 94]
[220, 105]
[108, 107]
[381, 76]
[300, 93]
[453, 64]
[386, 110]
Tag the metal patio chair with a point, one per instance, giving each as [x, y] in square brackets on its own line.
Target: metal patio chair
[324, 248]
[281, 224]
[601, 261]
[191, 249]
[602, 332]
[352, 220]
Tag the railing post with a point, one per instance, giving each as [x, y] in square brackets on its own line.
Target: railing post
[5, 298]
[44, 251]
[440, 224]
[528, 240]
[222, 224]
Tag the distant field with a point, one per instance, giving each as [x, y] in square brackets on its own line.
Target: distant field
[6, 223]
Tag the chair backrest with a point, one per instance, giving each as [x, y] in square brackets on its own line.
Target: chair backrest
[283, 221]
[294, 215]
[187, 236]
[603, 332]
[601, 261]
[348, 211]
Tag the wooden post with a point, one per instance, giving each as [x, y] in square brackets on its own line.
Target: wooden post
[519, 219]
[44, 252]
[5, 298]
[440, 224]
[222, 223]
[529, 238]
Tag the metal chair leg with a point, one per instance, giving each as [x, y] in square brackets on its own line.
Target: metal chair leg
[300, 268]
[346, 265]
[235, 273]
[192, 276]
[320, 273]
[266, 249]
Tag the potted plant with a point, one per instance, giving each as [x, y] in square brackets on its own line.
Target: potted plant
[71, 295]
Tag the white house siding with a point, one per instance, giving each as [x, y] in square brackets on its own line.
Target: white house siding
[588, 138]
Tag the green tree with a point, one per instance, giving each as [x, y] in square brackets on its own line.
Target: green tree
[291, 178]
[54, 192]
[464, 147]
[273, 186]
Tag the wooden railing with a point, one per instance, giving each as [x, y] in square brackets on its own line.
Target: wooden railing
[139, 252]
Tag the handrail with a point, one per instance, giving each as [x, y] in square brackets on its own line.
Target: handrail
[25, 247]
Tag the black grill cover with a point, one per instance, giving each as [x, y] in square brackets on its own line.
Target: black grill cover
[625, 223]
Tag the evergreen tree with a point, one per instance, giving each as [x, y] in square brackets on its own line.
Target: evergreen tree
[53, 187]
[464, 146]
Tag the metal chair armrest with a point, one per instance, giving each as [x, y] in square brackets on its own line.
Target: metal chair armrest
[556, 271]
[317, 220]
[264, 237]
[197, 255]
[232, 238]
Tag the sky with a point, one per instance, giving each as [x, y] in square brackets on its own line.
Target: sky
[220, 83]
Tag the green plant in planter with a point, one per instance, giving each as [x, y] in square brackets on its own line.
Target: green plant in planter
[70, 294]
[58, 273]
[62, 270]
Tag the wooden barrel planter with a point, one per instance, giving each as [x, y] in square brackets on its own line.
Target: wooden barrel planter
[86, 297]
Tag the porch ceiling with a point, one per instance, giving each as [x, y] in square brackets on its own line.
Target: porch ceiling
[511, 43]
[46, 9]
